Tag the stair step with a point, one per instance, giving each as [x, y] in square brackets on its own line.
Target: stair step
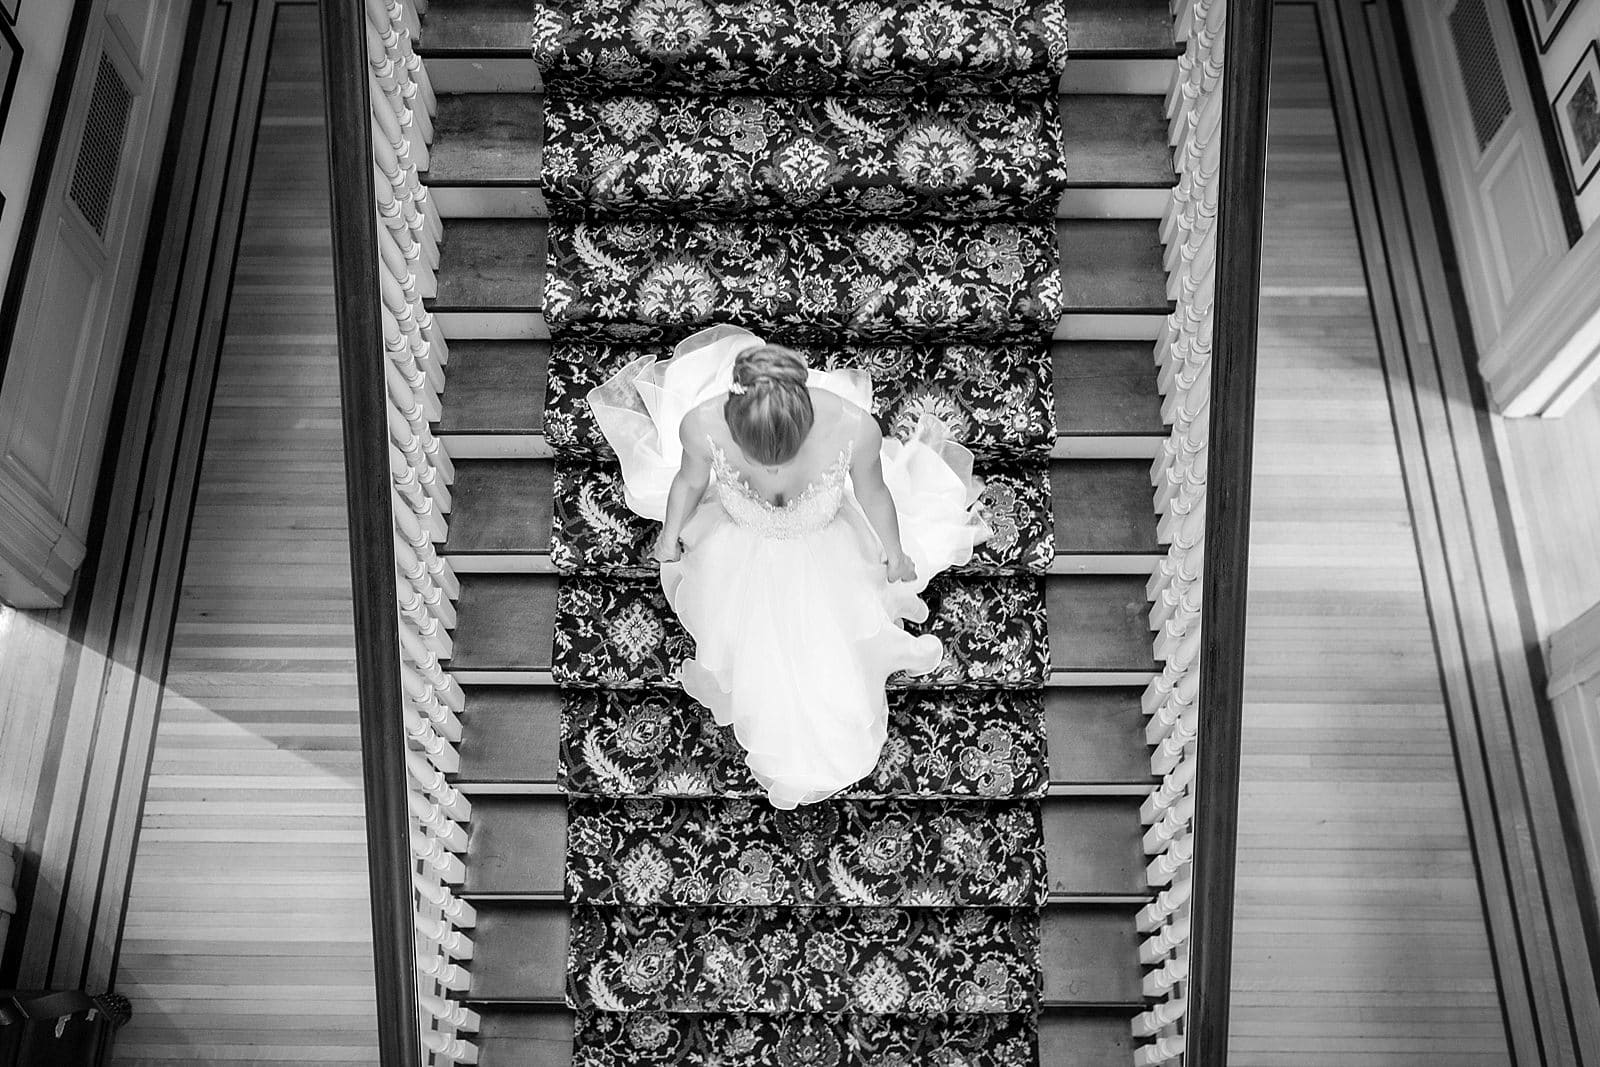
[651, 281]
[825, 156]
[941, 743]
[1096, 738]
[997, 399]
[1098, 631]
[487, 157]
[901, 852]
[1089, 954]
[620, 633]
[1103, 389]
[1095, 28]
[664, 48]
[594, 532]
[858, 853]
[1067, 516]
[796, 1038]
[662, 743]
[809, 280]
[520, 1037]
[511, 1036]
[922, 961]
[1104, 395]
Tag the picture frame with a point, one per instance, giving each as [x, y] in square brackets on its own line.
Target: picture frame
[1577, 115]
[1547, 17]
[10, 63]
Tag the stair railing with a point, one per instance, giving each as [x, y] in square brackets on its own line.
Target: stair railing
[392, 359]
[1216, 114]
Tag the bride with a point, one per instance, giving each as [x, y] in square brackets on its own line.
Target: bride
[794, 540]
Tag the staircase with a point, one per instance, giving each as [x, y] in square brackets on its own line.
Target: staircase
[979, 225]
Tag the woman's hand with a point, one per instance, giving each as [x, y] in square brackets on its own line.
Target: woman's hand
[667, 549]
[900, 568]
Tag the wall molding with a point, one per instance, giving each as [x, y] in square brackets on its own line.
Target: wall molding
[1561, 318]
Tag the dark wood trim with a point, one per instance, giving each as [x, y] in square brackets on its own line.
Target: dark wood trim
[1241, 193]
[372, 564]
[43, 168]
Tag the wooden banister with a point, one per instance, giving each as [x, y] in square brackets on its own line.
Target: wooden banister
[365, 410]
[1205, 357]
[1241, 193]
[398, 475]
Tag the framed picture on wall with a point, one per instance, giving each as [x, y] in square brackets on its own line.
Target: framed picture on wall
[10, 61]
[1545, 15]
[1577, 108]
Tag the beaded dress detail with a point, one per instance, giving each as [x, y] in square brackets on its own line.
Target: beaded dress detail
[796, 627]
[811, 509]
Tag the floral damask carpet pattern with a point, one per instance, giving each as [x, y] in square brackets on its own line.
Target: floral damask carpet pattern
[874, 185]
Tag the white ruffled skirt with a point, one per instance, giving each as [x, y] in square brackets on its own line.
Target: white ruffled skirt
[795, 638]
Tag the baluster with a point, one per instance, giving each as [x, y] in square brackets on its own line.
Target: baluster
[1161, 944]
[1159, 1017]
[1167, 903]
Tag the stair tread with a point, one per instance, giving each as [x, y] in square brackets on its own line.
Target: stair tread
[857, 853]
[803, 280]
[1095, 27]
[1100, 388]
[509, 735]
[1116, 140]
[645, 743]
[495, 386]
[546, 1038]
[692, 851]
[1111, 141]
[1106, 266]
[1112, 264]
[969, 1040]
[1096, 623]
[1096, 736]
[997, 399]
[1038, 512]
[1089, 953]
[485, 139]
[945, 743]
[1106, 387]
[920, 961]
[491, 263]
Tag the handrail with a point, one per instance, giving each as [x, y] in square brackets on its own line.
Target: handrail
[1206, 361]
[391, 360]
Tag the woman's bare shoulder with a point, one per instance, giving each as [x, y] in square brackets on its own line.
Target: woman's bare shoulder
[702, 421]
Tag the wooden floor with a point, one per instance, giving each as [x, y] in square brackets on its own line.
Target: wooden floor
[1360, 936]
[248, 931]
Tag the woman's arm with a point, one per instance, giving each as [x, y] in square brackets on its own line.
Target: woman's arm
[877, 503]
[688, 488]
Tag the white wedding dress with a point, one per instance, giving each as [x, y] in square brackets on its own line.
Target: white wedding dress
[795, 624]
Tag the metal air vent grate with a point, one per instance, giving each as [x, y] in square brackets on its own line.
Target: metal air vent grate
[94, 176]
[1479, 65]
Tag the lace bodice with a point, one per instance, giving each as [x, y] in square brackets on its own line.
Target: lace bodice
[811, 510]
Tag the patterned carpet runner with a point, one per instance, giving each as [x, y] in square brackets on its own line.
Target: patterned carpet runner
[879, 192]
